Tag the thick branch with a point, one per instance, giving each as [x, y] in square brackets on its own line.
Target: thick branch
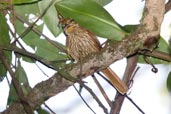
[148, 31]
[149, 28]
[41, 92]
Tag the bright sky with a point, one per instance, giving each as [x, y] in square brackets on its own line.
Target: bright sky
[149, 90]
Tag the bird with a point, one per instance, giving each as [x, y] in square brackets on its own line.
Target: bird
[80, 42]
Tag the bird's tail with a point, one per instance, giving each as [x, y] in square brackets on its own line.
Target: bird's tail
[115, 80]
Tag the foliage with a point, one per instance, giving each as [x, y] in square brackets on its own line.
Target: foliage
[169, 82]
[39, 45]
[4, 41]
[50, 18]
[92, 18]
[19, 1]
[21, 76]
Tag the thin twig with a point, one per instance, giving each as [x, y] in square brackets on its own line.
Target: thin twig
[135, 104]
[16, 84]
[168, 6]
[49, 108]
[32, 25]
[13, 15]
[95, 97]
[105, 79]
[156, 54]
[154, 69]
[102, 90]
[16, 40]
[8, 81]
[31, 55]
[41, 70]
[84, 100]
[133, 75]
[38, 32]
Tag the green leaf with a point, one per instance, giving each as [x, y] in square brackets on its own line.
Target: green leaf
[19, 1]
[42, 111]
[92, 16]
[48, 51]
[129, 28]
[3, 71]
[22, 79]
[103, 2]
[41, 46]
[20, 28]
[169, 82]
[50, 17]
[12, 97]
[4, 41]
[3, 6]
[164, 47]
[28, 38]
[28, 59]
[4, 32]
[170, 44]
[30, 9]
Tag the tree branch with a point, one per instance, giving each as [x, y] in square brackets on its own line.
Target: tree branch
[145, 35]
[168, 6]
[157, 54]
[148, 30]
[131, 65]
[16, 84]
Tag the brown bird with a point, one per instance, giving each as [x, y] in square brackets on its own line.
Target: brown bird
[80, 42]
